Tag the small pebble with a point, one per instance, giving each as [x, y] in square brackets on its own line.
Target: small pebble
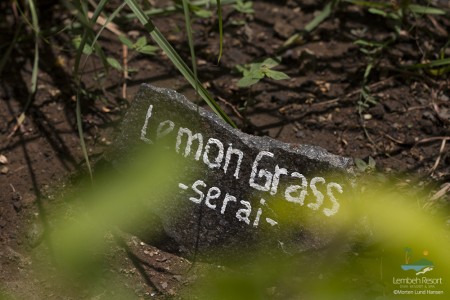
[3, 159]
[4, 170]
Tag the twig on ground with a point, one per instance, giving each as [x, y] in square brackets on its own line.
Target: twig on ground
[422, 141]
[110, 26]
[437, 26]
[235, 110]
[439, 194]
[432, 139]
[335, 100]
[357, 91]
[438, 159]
[19, 125]
[366, 133]
[396, 140]
[445, 188]
[418, 107]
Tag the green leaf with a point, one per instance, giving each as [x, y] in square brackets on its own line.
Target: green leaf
[248, 5]
[270, 62]
[141, 42]
[276, 75]
[367, 71]
[247, 81]
[114, 63]
[325, 13]
[367, 96]
[254, 67]
[202, 13]
[244, 7]
[87, 50]
[295, 38]
[394, 16]
[124, 40]
[425, 10]
[370, 4]
[368, 43]
[377, 11]
[256, 73]
[241, 69]
[362, 104]
[148, 49]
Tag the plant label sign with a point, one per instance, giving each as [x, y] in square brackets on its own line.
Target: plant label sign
[234, 191]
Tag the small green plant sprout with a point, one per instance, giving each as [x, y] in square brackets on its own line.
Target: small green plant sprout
[140, 45]
[436, 67]
[246, 11]
[373, 51]
[256, 71]
[200, 11]
[365, 167]
[397, 9]
[76, 42]
[365, 100]
[245, 7]
[198, 8]
[372, 47]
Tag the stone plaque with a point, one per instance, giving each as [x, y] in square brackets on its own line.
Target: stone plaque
[234, 192]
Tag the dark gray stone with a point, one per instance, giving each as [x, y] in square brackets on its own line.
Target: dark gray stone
[234, 192]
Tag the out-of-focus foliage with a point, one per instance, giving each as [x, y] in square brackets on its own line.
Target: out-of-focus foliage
[363, 267]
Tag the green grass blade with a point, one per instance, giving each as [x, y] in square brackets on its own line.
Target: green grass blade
[219, 15]
[187, 19]
[432, 64]
[108, 20]
[176, 60]
[88, 24]
[380, 5]
[34, 74]
[34, 19]
[154, 12]
[139, 13]
[81, 135]
[172, 8]
[325, 13]
[187, 73]
[35, 71]
[367, 72]
[426, 10]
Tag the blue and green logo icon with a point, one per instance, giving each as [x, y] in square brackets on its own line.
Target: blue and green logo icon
[421, 266]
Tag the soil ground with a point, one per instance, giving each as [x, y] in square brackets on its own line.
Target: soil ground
[405, 129]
